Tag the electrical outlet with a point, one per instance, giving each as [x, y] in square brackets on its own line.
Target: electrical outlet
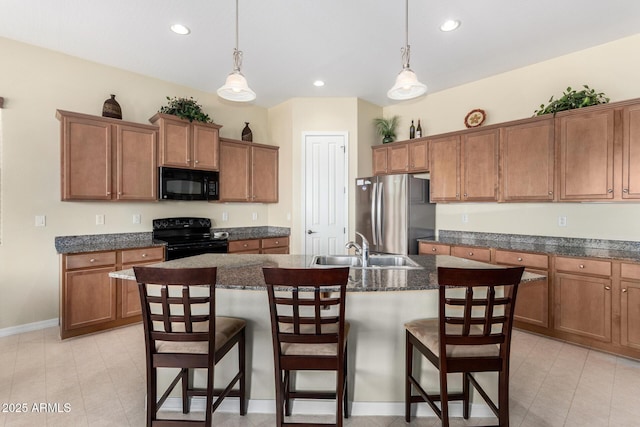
[137, 218]
[100, 219]
[41, 221]
[562, 221]
[254, 216]
[465, 218]
[225, 216]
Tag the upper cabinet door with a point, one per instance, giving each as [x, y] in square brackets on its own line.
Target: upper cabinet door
[631, 152]
[264, 176]
[418, 156]
[205, 146]
[398, 158]
[480, 166]
[527, 153]
[86, 158]
[136, 165]
[586, 155]
[444, 155]
[379, 157]
[175, 146]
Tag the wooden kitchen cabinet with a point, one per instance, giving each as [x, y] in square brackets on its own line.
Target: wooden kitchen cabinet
[582, 298]
[630, 305]
[271, 245]
[129, 300]
[444, 158]
[472, 252]
[532, 300]
[187, 145]
[527, 157]
[585, 150]
[479, 179]
[248, 172]
[401, 157]
[107, 159]
[631, 152]
[419, 156]
[90, 300]
[428, 248]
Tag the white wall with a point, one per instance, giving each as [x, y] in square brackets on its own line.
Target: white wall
[34, 83]
[611, 68]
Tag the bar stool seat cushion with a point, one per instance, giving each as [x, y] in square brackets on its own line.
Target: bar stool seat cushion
[226, 327]
[426, 331]
[295, 349]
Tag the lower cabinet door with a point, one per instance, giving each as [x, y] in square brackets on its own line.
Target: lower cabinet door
[583, 306]
[130, 299]
[90, 297]
[630, 314]
[532, 301]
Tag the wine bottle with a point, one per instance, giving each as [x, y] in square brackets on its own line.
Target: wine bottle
[419, 130]
[412, 131]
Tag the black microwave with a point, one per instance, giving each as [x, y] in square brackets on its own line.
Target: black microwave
[188, 184]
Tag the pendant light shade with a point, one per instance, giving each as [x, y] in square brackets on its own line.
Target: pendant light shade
[236, 87]
[407, 85]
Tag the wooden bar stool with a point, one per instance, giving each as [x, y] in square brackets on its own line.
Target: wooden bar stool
[309, 334]
[471, 334]
[182, 331]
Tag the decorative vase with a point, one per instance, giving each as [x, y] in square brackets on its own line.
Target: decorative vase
[387, 139]
[247, 135]
[111, 108]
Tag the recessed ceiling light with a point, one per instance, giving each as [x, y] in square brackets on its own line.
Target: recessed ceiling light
[450, 25]
[180, 29]
[318, 83]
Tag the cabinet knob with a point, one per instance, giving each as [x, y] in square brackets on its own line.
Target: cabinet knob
[625, 190]
[277, 243]
[519, 258]
[608, 288]
[433, 249]
[196, 162]
[245, 245]
[610, 190]
[470, 253]
[551, 193]
[144, 255]
[108, 193]
[465, 194]
[92, 260]
[624, 290]
[119, 193]
[581, 266]
[457, 194]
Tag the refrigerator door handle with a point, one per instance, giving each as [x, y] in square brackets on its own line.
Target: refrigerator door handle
[374, 196]
[379, 214]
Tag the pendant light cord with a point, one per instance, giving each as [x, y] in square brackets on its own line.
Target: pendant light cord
[237, 54]
[406, 50]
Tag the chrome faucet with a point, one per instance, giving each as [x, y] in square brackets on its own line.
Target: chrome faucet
[360, 250]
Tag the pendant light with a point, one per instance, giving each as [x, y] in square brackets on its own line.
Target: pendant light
[407, 85]
[236, 87]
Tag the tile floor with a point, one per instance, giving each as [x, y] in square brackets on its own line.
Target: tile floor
[102, 379]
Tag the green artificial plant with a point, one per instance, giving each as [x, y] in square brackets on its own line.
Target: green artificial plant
[185, 108]
[573, 99]
[386, 128]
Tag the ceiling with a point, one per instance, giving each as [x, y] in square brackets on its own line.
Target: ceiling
[353, 45]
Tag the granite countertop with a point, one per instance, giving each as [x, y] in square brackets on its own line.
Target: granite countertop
[117, 241]
[236, 271]
[565, 246]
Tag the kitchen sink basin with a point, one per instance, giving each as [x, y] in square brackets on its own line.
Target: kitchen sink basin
[355, 261]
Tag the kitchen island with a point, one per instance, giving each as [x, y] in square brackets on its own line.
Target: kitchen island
[379, 302]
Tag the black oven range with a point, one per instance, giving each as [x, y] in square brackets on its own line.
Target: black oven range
[186, 236]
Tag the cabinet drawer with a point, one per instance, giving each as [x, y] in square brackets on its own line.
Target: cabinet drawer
[143, 255]
[275, 242]
[521, 258]
[91, 259]
[476, 254]
[434, 249]
[630, 271]
[280, 250]
[583, 266]
[244, 245]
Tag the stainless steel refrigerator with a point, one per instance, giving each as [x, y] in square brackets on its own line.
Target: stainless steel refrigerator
[392, 211]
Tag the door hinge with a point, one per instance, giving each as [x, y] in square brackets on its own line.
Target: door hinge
[342, 146]
[344, 230]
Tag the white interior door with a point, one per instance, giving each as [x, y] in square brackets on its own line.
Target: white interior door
[325, 192]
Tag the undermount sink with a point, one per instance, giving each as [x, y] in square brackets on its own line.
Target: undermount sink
[355, 261]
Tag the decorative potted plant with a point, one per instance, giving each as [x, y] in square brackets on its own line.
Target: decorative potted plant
[185, 108]
[572, 99]
[386, 128]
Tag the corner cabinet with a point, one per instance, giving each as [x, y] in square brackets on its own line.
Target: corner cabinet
[187, 145]
[90, 300]
[107, 159]
[248, 172]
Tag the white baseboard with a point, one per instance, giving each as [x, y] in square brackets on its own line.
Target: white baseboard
[35, 326]
[307, 407]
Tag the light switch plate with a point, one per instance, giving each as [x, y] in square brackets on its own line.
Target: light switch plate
[562, 221]
[41, 221]
[100, 219]
[137, 218]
